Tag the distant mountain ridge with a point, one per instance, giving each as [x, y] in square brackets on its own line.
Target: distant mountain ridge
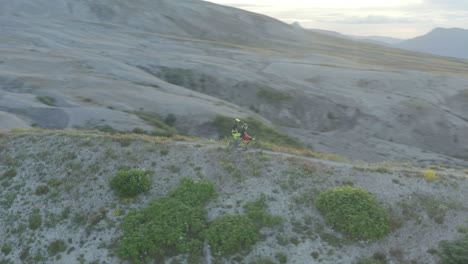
[448, 42]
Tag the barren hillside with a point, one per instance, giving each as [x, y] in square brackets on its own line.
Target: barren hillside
[129, 65]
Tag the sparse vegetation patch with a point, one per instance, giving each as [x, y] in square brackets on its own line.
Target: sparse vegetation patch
[256, 211]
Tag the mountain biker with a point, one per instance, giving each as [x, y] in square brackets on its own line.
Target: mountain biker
[243, 134]
[235, 129]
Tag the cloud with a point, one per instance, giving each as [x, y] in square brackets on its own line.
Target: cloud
[452, 4]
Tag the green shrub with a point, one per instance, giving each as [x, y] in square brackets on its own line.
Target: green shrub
[139, 130]
[257, 128]
[170, 120]
[46, 100]
[194, 192]
[35, 220]
[42, 189]
[166, 226]
[177, 76]
[230, 234]
[354, 212]
[131, 182]
[8, 174]
[6, 249]
[256, 211]
[454, 252]
[56, 247]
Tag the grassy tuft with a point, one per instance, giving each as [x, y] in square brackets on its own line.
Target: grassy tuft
[56, 247]
[46, 100]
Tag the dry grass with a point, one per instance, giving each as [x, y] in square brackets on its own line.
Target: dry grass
[305, 152]
[154, 139]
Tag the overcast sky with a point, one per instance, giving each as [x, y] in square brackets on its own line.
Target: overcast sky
[392, 18]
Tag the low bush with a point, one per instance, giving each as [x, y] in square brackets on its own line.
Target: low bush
[8, 174]
[131, 182]
[56, 247]
[230, 234]
[42, 189]
[354, 212]
[166, 226]
[430, 175]
[170, 120]
[35, 220]
[194, 192]
[6, 249]
[454, 252]
[139, 130]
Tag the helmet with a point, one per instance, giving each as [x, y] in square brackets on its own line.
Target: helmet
[237, 120]
[245, 124]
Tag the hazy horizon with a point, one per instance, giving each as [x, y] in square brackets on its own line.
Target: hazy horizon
[402, 19]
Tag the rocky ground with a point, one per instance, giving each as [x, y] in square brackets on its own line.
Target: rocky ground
[78, 206]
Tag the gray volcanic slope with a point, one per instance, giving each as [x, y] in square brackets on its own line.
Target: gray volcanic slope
[101, 60]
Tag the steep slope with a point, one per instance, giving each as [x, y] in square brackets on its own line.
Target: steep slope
[448, 42]
[57, 206]
[183, 18]
[87, 64]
